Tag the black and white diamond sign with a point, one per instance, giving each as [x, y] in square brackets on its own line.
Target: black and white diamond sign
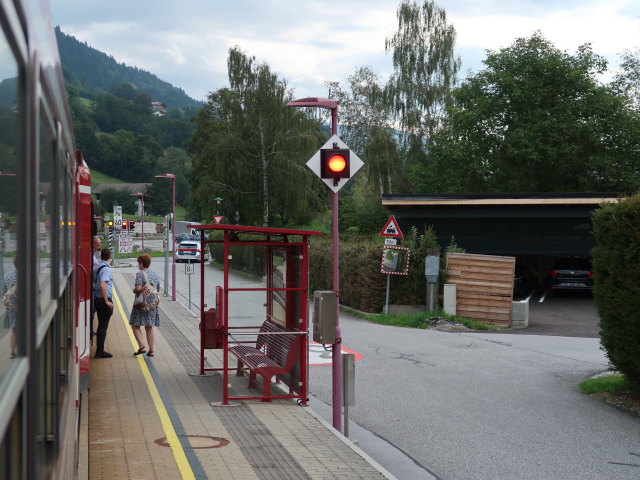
[355, 162]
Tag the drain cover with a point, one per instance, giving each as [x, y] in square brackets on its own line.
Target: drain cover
[198, 441]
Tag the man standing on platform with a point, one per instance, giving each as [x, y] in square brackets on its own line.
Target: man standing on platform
[94, 268]
[104, 303]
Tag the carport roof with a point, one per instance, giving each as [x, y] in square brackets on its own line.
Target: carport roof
[511, 223]
[504, 199]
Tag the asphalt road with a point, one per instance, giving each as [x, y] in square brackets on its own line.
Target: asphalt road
[462, 406]
[486, 406]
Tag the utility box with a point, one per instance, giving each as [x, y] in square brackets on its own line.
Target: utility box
[449, 299]
[432, 268]
[325, 303]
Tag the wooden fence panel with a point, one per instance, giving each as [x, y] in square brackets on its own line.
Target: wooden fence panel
[484, 286]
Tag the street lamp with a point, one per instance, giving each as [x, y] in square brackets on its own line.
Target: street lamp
[336, 362]
[173, 233]
[141, 195]
[218, 200]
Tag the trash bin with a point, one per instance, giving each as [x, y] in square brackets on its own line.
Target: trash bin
[213, 338]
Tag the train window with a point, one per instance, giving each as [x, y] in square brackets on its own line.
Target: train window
[60, 212]
[47, 208]
[69, 230]
[10, 449]
[46, 412]
[9, 148]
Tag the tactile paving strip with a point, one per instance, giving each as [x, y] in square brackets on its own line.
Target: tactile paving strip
[268, 457]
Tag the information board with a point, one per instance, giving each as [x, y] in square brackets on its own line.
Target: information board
[125, 243]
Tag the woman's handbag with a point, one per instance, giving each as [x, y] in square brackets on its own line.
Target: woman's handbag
[137, 302]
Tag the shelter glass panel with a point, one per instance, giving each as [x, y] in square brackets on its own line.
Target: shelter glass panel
[284, 274]
[246, 304]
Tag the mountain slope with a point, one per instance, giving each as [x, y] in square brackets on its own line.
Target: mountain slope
[94, 72]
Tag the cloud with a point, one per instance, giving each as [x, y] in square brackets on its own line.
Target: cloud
[605, 26]
[310, 42]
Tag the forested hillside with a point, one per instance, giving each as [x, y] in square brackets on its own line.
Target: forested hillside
[94, 72]
[117, 130]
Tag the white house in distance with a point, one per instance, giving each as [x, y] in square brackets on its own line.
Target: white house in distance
[159, 109]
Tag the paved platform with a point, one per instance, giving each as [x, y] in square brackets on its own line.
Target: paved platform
[152, 418]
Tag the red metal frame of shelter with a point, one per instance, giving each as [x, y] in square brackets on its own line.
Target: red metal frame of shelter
[272, 239]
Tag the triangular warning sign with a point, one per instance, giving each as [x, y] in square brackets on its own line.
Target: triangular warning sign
[391, 229]
[218, 218]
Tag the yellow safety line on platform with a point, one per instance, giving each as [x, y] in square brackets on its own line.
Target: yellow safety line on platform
[172, 438]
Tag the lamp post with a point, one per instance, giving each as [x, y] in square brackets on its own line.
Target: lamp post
[336, 363]
[141, 195]
[218, 200]
[173, 232]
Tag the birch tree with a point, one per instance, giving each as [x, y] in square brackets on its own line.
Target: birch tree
[425, 67]
[250, 149]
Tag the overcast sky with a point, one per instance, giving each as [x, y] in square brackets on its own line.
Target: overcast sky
[308, 42]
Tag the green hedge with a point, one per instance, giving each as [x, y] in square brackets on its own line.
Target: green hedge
[362, 286]
[616, 262]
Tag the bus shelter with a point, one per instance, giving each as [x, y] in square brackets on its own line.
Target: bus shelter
[260, 317]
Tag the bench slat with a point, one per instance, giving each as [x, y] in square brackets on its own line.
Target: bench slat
[275, 353]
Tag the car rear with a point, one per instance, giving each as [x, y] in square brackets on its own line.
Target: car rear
[188, 251]
[571, 274]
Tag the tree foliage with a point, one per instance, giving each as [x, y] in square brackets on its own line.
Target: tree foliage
[616, 288]
[113, 196]
[366, 126]
[535, 119]
[425, 66]
[627, 81]
[250, 149]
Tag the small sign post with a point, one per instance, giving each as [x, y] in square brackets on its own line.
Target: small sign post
[117, 217]
[391, 261]
[189, 269]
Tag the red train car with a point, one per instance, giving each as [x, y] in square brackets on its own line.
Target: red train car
[45, 254]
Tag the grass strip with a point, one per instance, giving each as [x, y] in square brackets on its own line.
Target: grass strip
[421, 320]
[615, 382]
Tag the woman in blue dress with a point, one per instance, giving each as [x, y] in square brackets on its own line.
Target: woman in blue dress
[139, 318]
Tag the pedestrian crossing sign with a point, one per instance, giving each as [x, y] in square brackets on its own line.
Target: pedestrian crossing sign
[391, 228]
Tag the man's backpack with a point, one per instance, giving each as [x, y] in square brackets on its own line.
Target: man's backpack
[149, 294]
[10, 298]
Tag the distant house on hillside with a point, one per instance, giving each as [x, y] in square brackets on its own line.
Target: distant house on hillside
[159, 108]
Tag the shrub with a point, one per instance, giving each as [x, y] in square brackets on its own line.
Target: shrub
[362, 286]
[616, 257]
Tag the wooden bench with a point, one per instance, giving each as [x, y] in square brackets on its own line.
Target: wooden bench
[275, 353]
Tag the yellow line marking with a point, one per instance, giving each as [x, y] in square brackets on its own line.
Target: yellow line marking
[176, 447]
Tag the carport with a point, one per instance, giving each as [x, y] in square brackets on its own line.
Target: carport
[533, 227]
